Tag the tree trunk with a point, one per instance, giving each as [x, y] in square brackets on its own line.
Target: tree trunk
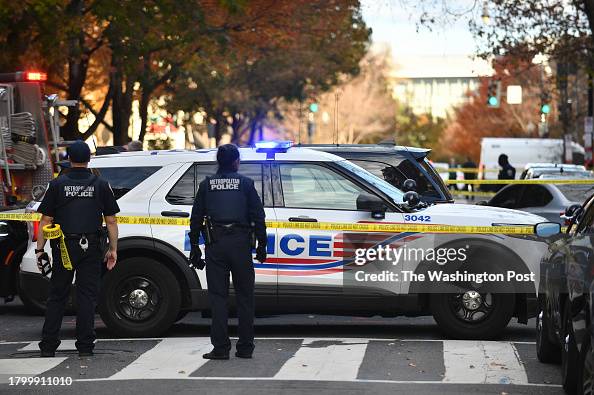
[77, 74]
[121, 108]
[143, 109]
[219, 126]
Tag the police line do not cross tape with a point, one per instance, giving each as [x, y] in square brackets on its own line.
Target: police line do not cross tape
[331, 226]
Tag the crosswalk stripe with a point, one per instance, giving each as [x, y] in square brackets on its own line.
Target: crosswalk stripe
[26, 367]
[171, 358]
[325, 359]
[65, 345]
[316, 359]
[482, 362]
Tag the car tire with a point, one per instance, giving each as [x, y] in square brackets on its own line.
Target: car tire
[140, 298]
[586, 369]
[546, 350]
[569, 353]
[488, 328]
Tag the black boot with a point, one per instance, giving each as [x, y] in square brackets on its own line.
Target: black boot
[214, 355]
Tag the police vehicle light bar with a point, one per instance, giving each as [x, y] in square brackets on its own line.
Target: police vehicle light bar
[272, 147]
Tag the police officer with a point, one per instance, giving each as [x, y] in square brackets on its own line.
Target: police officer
[78, 202]
[507, 172]
[233, 210]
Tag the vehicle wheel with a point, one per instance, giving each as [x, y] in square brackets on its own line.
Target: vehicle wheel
[586, 366]
[569, 353]
[472, 315]
[140, 297]
[546, 350]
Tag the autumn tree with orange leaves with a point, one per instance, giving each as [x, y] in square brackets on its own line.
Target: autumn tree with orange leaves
[137, 50]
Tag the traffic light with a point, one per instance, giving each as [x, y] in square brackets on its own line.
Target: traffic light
[545, 105]
[313, 107]
[494, 94]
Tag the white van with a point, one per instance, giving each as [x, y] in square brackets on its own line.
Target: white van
[522, 151]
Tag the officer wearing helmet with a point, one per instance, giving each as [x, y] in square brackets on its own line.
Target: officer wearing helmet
[228, 212]
[73, 210]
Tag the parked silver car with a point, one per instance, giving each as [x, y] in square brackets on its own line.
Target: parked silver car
[547, 200]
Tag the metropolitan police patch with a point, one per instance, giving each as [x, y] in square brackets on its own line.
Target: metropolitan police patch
[223, 184]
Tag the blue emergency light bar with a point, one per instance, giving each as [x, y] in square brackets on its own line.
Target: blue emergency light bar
[273, 147]
[279, 146]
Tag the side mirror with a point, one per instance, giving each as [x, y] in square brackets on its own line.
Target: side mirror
[411, 198]
[373, 204]
[547, 229]
[571, 211]
[409, 185]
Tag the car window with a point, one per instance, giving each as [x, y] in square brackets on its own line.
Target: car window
[507, 198]
[396, 170]
[185, 188]
[535, 196]
[576, 192]
[123, 179]
[315, 186]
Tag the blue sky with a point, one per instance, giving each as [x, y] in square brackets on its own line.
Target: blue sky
[396, 25]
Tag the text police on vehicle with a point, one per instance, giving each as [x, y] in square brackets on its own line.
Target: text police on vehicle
[320, 209]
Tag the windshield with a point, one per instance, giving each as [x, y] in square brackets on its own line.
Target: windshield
[576, 192]
[424, 162]
[394, 193]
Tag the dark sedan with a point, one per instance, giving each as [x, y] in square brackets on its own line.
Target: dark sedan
[564, 321]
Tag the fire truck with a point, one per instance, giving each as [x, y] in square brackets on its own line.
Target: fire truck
[29, 142]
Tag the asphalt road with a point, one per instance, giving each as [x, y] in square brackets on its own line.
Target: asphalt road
[295, 354]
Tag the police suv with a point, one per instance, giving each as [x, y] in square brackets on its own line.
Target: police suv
[311, 265]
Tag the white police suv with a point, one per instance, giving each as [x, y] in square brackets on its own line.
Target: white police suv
[333, 246]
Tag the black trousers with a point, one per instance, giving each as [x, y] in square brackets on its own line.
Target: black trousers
[88, 267]
[231, 253]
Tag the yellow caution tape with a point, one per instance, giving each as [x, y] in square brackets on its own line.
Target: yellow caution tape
[20, 217]
[464, 170]
[531, 181]
[399, 228]
[52, 232]
[473, 193]
[333, 226]
[138, 220]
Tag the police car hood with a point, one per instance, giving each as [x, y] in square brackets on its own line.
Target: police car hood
[467, 214]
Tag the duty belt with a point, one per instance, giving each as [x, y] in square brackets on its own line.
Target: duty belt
[233, 225]
[52, 232]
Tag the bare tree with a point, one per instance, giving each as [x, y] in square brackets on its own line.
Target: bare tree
[361, 109]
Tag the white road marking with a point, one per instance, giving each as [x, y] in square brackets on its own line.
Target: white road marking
[482, 362]
[478, 362]
[337, 362]
[171, 358]
[65, 345]
[125, 339]
[248, 379]
[26, 367]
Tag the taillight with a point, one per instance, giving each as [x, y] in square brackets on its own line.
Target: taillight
[35, 231]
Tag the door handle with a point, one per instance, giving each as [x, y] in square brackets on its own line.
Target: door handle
[181, 214]
[302, 219]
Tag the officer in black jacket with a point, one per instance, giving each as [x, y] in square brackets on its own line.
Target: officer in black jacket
[73, 210]
[233, 210]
